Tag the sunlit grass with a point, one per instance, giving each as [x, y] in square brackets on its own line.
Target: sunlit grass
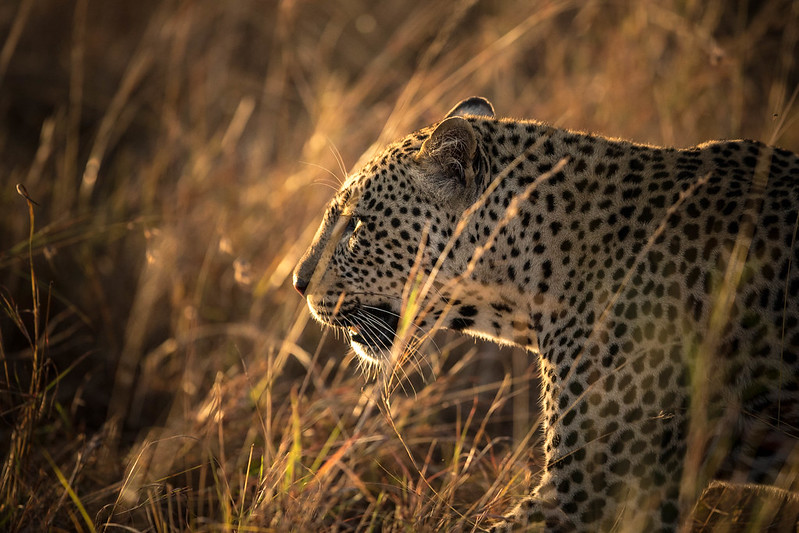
[158, 370]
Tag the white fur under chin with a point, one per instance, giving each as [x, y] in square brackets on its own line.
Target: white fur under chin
[374, 364]
[365, 356]
[368, 363]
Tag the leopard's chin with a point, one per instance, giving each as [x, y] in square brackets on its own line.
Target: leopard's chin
[369, 356]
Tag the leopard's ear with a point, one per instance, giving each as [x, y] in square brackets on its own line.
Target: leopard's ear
[450, 150]
[475, 106]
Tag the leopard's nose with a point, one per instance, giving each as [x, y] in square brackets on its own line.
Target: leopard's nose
[303, 272]
[300, 285]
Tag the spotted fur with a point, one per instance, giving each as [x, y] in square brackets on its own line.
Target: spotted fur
[658, 286]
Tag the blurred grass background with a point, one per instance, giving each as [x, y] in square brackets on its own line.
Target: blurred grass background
[163, 375]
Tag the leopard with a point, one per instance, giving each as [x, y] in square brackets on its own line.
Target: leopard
[657, 287]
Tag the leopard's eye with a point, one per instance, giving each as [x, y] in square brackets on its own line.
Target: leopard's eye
[351, 225]
[348, 235]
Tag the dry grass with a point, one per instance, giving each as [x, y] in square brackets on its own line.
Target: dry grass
[158, 372]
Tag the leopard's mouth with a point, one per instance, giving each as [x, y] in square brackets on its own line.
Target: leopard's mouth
[373, 328]
[370, 329]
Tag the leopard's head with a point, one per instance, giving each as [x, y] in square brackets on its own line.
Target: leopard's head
[386, 252]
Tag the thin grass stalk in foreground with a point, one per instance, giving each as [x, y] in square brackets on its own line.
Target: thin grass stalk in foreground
[34, 291]
[68, 488]
[17, 458]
